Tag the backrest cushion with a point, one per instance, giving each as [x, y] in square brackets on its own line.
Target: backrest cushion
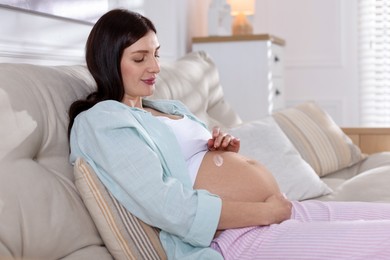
[41, 213]
[194, 80]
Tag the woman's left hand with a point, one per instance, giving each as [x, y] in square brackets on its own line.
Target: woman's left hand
[221, 141]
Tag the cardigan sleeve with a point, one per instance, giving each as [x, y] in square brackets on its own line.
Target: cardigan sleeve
[129, 165]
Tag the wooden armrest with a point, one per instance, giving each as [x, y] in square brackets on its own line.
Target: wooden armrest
[369, 139]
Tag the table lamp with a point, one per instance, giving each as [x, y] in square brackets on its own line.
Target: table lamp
[240, 10]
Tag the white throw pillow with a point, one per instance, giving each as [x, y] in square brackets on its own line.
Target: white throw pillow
[264, 141]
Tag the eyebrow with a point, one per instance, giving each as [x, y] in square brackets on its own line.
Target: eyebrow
[145, 51]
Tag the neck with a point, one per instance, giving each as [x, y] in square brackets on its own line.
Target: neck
[133, 102]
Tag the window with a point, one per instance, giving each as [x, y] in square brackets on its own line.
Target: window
[374, 28]
[85, 10]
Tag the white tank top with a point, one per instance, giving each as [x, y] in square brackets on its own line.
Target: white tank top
[192, 138]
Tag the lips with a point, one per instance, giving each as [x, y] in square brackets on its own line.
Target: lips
[150, 81]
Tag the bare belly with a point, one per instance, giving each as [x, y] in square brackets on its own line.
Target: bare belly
[235, 177]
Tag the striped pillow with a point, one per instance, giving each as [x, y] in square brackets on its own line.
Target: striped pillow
[318, 138]
[125, 236]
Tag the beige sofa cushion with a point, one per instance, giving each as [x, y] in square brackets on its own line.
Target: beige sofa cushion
[368, 180]
[41, 213]
[194, 80]
[319, 140]
[125, 236]
[371, 185]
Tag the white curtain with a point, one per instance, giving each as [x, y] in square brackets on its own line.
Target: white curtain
[374, 29]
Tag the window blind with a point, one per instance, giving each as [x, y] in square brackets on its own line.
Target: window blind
[374, 59]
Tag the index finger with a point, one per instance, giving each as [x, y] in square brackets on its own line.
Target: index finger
[216, 131]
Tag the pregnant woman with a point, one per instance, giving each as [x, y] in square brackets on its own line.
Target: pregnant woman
[166, 168]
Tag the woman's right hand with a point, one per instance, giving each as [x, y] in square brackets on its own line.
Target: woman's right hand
[280, 208]
[275, 209]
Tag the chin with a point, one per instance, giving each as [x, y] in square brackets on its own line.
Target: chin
[151, 91]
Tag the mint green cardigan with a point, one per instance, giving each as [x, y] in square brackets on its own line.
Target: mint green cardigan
[140, 162]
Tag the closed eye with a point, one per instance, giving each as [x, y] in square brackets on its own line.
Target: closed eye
[139, 60]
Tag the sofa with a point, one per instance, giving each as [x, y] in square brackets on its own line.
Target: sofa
[50, 209]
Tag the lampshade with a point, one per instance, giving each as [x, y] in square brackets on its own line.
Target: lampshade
[240, 9]
[246, 7]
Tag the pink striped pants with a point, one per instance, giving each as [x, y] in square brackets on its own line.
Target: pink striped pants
[316, 230]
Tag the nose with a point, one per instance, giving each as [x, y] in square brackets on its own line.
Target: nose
[154, 66]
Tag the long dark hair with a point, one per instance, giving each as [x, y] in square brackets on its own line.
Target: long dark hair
[113, 32]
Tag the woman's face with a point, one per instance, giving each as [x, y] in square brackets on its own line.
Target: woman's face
[139, 68]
